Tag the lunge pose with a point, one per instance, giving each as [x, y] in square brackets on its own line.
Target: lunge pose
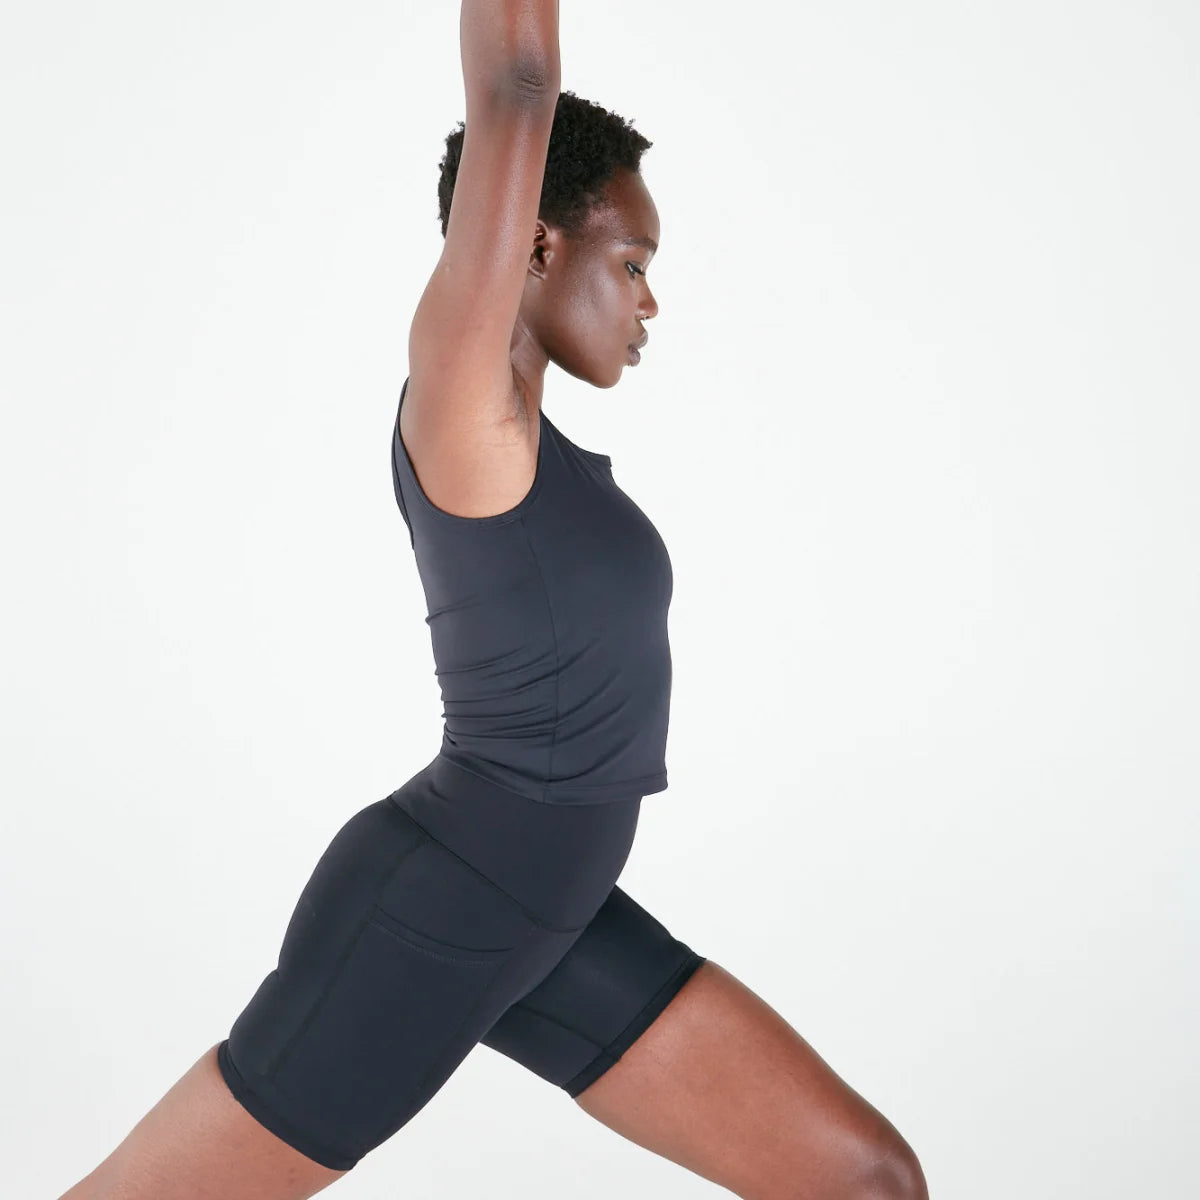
[478, 902]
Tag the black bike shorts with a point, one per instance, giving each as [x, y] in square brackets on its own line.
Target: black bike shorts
[452, 913]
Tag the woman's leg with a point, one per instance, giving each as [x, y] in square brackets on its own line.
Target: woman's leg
[721, 1084]
[199, 1143]
[674, 1053]
[399, 955]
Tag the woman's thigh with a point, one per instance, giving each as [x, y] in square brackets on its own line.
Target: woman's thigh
[606, 990]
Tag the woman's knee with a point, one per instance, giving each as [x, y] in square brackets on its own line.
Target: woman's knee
[892, 1172]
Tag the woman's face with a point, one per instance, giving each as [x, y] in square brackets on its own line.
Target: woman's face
[593, 297]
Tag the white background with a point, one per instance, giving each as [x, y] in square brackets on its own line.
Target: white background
[917, 422]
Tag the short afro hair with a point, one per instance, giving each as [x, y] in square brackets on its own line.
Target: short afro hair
[588, 144]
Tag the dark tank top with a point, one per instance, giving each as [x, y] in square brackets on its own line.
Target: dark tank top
[549, 629]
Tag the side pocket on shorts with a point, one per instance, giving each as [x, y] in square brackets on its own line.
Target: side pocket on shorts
[434, 946]
[401, 1012]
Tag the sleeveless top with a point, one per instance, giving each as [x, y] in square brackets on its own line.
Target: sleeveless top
[549, 629]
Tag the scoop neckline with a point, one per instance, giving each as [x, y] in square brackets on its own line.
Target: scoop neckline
[595, 455]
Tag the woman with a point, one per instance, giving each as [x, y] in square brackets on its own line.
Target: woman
[477, 903]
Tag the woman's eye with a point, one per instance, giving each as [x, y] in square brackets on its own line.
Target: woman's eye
[635, 269]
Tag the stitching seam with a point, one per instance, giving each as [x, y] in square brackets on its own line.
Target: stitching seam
[557, 651]
[280, 1056]
[532, 917]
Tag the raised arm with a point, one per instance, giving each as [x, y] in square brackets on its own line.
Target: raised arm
[512, 41]
[461, 387]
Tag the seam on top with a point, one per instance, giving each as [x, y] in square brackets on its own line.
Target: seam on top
[557, 654]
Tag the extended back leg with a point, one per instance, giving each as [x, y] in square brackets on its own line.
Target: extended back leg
[721, 1084]
[199, 1143]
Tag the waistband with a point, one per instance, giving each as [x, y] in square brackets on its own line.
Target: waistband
[558, 861]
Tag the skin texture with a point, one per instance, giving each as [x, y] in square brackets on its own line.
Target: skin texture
[720, 1083]
[584, 302]
[199, 1143]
